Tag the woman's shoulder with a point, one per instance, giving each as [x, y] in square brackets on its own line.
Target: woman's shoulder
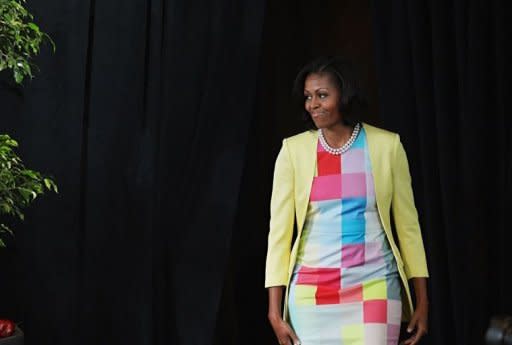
[381, 140]
[381, 133]
[300, 142]
[301, 137]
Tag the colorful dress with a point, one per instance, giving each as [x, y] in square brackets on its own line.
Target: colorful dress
[345, 288]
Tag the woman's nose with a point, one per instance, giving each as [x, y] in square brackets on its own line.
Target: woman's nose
[314, 103]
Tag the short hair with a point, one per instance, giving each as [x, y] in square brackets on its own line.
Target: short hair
[343, 73]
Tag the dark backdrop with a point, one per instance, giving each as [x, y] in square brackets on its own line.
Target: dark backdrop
[160, 121]
[444, 83]
[142, 116]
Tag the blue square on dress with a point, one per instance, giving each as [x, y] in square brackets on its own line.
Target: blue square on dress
[353, 208]
[360, 141]
[352, 231]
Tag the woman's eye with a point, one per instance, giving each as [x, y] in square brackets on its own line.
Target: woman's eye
[307, 98]
[322, 95]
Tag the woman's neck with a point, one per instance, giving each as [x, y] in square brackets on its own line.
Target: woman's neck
[337, 135]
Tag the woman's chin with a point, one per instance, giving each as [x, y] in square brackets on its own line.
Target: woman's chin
[325, 123]
[320, 124]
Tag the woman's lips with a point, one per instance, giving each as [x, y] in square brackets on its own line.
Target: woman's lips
[315, 115]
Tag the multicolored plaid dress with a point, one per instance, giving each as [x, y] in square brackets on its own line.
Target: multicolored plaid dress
[345, 287]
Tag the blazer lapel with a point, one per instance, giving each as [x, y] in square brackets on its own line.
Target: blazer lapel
[306, 166]
[378, 170]
[373, 149]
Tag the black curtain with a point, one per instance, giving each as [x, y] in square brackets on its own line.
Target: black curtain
[142, 117]
[444, 86]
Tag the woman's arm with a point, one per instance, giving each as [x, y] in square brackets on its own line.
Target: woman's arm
[284, 333]
[406, 217]
[282, 213]
[420, 290]
[275, 300]
[410, 241]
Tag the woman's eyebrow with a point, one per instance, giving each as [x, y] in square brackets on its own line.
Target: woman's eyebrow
[320, 88]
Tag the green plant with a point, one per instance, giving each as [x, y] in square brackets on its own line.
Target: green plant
[19, 186]
[20, 39]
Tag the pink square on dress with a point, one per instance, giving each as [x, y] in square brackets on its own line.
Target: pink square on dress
[375, 311]
[354, 185]
[326, 188]
[373, 253]
[352, 255]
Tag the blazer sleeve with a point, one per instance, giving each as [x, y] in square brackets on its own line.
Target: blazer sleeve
[282, 212]
[406, 217]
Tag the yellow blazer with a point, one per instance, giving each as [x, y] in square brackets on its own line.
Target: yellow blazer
[295, 168]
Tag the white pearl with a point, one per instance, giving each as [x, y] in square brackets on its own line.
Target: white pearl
[345, 147]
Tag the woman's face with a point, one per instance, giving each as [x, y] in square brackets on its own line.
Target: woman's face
[322, 98]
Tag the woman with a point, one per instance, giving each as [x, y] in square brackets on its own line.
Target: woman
[345, 280]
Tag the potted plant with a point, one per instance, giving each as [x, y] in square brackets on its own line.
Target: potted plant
[20, 41]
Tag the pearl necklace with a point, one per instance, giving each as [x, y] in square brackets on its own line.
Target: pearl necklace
[345, 147]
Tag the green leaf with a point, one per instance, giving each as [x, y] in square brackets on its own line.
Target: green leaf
[33, 26]
[5, 228]
[27, 194]
[11, 142]
[20, 39]
[32, 174]
[5, 208]
[18, 76]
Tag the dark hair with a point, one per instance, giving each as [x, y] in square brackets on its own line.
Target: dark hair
[343, 73]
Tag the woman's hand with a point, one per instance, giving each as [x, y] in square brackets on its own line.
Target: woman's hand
[284, 333]
[418, 324]
[419, 319]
